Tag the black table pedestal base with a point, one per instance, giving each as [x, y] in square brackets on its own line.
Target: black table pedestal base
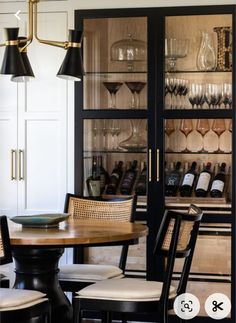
[37, 269]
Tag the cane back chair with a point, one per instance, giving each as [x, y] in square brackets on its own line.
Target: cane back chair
[78, 275]
[176, 238]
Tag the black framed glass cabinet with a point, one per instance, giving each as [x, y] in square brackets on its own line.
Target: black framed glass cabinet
[155, 112]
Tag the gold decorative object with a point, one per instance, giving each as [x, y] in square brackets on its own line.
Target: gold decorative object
[224, 48]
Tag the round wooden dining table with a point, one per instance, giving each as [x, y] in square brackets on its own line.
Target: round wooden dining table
[37, 251]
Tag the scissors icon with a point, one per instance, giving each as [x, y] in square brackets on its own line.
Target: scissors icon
[217, 306]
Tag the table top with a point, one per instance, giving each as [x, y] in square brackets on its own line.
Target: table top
[79, 232]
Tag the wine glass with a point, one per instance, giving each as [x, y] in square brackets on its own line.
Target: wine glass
[96, 132]
[112, 88]
[105, 131]
[213, 95]
[186, 126]
[114, 129]
[227, 95]
[218, 127]
[169, 129]
[203, 127]
[135, 88]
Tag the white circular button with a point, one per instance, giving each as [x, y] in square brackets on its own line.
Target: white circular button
[218, 306]
[186, 306]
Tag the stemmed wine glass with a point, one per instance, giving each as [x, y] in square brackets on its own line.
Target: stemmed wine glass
[169, 129]
[227, 95]
[135, 89]
[218, 127]
[96, 132]
[105, 130]
[114, 129]
[186, 126]
[196, 95]
[213, 95]
[112, 88]
[203, 127]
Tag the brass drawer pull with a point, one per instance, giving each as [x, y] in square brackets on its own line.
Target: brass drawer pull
[13, 164]
[21, 165]
[149, 165]
[158, 170]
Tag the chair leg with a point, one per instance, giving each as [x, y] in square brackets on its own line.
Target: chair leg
[123, 318]
[77, 312]
[106, 317]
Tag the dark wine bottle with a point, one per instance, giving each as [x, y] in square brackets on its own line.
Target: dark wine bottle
[115, 178]
[188, 181]
[130, 175]
[104, 177]
[203, 181]
[218, 183]
[173, 180]
[94, 181]
[141, 184]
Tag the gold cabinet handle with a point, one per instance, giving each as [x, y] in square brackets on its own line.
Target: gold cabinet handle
[13, 165]
[158, 171]
[149, 165]
[21, 165]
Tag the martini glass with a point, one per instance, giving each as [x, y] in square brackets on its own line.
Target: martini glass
[112, 88]
[135, 89]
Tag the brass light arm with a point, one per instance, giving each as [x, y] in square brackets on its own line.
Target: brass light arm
[44, 41]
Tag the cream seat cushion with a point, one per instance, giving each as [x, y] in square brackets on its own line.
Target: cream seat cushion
[89, 272]
[19, 298]
[127, 289]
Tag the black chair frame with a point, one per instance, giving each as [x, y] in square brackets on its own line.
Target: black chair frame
[165, 303]
[78, 252]
[41, 311]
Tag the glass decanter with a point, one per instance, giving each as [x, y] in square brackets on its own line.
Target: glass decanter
[206, 57]
[138, 139]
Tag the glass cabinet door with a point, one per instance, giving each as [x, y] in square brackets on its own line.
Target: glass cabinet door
[115, 81]
[115, 52]
[198, 140]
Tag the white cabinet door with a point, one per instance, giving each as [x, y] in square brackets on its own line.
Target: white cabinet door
[33, 122]
[42, 121]
[8, 133]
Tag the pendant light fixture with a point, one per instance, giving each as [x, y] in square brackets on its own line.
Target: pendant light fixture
[29, 74]
[16, 62]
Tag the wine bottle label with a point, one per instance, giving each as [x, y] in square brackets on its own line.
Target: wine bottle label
[203, 181]
[115, 175]
[188, 179]
[94, 187]
[173, 180]
[217, 185]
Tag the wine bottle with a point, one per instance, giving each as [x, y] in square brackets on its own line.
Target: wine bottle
[188, 181]
[94, 181]
[115, 178]
[218, 183]
[104, 177]
[173, 180]
[130, 175]
[141, 184]
[203, 181]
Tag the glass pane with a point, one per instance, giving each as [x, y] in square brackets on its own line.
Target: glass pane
[115, 152]
[206, 143]
[115, 60]
[198, 163]
[198, 62]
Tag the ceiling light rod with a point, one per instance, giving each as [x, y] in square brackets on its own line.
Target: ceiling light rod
[72, 65]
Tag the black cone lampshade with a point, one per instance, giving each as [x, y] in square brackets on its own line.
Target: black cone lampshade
[29, 74]
[72, 66]
[12, 60]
